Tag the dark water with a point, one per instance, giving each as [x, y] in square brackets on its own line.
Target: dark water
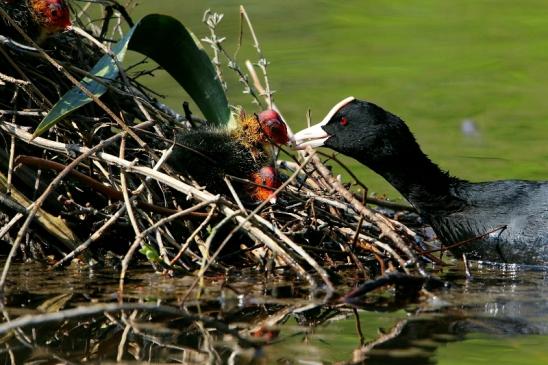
[501, 314]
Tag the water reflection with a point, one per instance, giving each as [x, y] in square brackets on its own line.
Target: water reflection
[503, 307]
[253, 320]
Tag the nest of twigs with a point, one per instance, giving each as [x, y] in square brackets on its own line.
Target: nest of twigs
[98, 182]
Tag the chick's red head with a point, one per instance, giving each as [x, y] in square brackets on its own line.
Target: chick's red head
[267, 178]
[273, 126]
[53, 15]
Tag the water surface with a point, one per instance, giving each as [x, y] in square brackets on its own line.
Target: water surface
[500, 314]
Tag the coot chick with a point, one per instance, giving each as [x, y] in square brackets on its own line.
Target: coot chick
[38, 18]
[209, 154]
[514, 211]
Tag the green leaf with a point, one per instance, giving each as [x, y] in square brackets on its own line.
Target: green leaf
[105, 68]
[150, 252]
[165, 40]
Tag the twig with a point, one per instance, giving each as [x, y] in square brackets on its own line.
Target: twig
[234, 194]
[125, 333]
[44, 102]
[262, 91]
[81, 86]
[216, 43]
[10, 165]
[360, 354]
[285, 239]
[33, 208]
[358, 325]
[5, 229]
[13, 80]
[394, 278]
[378, 219]
[262, 63]
[466, 267]
[94, 237]
[212, 20]
[469, 240]
[129, 206]
[32, 320]
[108, 191]
[206, 259]
[202, 225]
[345, 168]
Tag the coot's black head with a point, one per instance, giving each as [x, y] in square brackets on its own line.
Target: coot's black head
[362, 130]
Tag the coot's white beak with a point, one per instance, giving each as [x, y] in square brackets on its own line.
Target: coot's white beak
[315, 136]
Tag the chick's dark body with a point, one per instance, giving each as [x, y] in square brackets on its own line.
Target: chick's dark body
[20, 12]
[207, 155]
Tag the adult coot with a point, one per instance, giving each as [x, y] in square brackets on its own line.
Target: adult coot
[515, 212]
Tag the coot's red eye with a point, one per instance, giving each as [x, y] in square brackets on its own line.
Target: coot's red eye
[344, 121]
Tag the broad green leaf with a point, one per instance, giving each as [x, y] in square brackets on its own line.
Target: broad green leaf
[165, 40]
[105, 69]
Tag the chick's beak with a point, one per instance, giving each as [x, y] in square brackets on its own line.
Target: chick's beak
[313, 136]
[268, 181]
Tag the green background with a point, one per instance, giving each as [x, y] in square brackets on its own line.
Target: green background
[433, 63]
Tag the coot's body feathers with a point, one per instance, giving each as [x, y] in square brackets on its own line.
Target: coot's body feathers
[515, 211]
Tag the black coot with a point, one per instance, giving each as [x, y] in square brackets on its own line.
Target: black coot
[458, 210]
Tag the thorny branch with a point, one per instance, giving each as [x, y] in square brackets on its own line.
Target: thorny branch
[212, 20]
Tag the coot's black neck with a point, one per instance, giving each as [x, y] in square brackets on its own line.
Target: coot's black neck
[420, 181]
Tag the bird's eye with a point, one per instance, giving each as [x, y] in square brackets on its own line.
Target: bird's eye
[344, 121]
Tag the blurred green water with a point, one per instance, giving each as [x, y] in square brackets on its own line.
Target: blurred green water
[434, 63]
[481, 349]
